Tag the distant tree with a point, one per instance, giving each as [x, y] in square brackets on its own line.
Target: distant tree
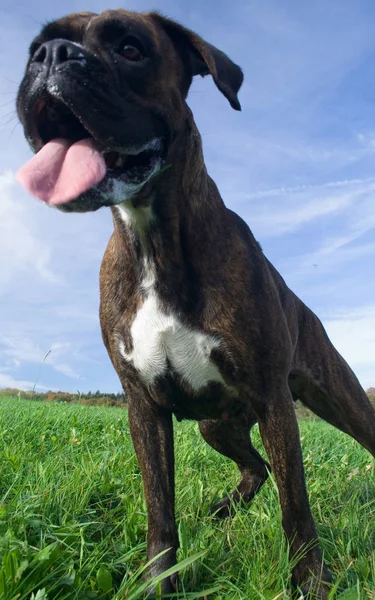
[97, 399]
[371, 394]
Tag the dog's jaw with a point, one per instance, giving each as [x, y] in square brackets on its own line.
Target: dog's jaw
[114, 190]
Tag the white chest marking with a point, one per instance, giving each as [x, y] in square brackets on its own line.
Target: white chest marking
[161, 340]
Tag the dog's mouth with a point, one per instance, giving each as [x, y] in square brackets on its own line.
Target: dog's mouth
[69, 160]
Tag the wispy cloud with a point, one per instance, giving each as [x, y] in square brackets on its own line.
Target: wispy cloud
[284, 215]
[349, 215]
[298, 189]
[7, 381]
[21, 351]
[283, 210]
[19, 245]
[353, 334]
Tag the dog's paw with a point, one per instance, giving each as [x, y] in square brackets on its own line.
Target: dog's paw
[167, 588]
[248, 487]
[313, 586]
[223, 509]
[314, 591]
[164, 587]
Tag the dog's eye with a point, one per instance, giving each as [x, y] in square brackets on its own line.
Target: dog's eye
[131, 52]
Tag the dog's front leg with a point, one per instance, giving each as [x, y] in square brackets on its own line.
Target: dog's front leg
[280, 435]
[151, 429]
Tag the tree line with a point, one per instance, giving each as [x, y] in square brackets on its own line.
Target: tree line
[108, 399]
[90, 398]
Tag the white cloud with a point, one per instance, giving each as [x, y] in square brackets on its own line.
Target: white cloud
[20, 247]
[58, 352]
[22, 351]
[313, 188]
[353, 334]
[286, 216]
[279, 211]
[7, 381]
[335, 253]
[344, 211]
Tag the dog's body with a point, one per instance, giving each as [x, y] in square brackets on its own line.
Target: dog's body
[195, 319]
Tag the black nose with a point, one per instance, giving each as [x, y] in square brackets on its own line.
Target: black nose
[57, 52]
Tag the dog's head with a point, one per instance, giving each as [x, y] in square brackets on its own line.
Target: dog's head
[103, 100]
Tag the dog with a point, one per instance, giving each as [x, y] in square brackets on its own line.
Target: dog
[197, 323]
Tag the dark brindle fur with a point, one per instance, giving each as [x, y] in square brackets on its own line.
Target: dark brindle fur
[208, 271]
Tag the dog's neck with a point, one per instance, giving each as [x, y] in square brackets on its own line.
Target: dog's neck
[183, 198]
[179, 217]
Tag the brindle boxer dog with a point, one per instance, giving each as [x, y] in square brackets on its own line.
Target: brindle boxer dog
[195, 319]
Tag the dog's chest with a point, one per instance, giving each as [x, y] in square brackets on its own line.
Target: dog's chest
[163, 344]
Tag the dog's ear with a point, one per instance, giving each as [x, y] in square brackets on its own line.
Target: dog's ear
[205, 59]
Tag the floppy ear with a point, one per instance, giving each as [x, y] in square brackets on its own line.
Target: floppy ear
[205, 59]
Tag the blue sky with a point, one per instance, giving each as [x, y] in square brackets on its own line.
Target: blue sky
[297, 164]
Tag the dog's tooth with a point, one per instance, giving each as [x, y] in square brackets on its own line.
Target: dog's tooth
[119, 162]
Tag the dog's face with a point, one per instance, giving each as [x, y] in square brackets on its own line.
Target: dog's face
[103, 100]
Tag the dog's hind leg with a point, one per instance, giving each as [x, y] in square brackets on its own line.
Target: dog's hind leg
[232, 439]
[325, 383]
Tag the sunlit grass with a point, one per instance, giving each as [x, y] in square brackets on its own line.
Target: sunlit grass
[73, 517]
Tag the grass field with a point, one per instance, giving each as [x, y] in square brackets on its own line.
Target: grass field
[73, 518]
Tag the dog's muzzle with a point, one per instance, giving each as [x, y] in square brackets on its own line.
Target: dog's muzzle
[76, 165]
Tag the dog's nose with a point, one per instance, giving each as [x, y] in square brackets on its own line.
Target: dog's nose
[57, 52]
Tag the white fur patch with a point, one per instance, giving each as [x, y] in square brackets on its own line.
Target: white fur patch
[137, 219]
[160, 339]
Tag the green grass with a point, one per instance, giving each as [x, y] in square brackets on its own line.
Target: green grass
[73, 517]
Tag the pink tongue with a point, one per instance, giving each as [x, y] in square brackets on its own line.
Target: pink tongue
[62, 170]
